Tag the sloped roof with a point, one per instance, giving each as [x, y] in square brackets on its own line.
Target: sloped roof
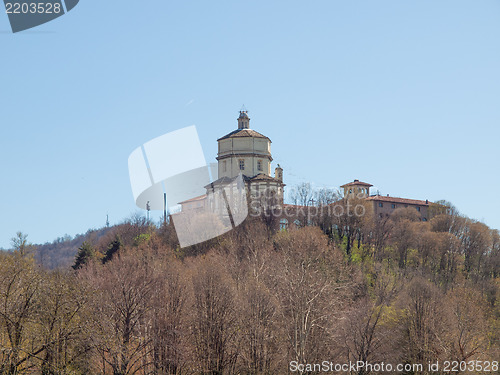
[226, 181]
[381, 198]
[244, 133]
[200, 198]
[357, 183]
[263, 177]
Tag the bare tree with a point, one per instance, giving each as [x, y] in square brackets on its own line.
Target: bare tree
[20, 286]
[302, 194]
[60, 322]
[123, 300]
[259, 310]
[169, 329]
[214, 319]
[422, 323]
[21, 244]
[307, 291]
[468, 325]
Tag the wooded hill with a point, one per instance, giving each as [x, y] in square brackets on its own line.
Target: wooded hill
[395, 290]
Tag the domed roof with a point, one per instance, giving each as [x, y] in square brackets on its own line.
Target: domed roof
[244, 133]
[243, 114]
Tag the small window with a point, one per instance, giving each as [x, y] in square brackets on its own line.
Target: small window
[424, 219]
[283, 224]
[381, 215]
[418, 209]
[259, 165]
[380, 204]
[242, 164]
[393, 205]
[224, 166]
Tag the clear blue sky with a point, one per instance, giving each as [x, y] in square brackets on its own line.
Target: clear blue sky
[402, 94]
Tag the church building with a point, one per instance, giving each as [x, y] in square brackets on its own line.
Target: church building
[244, 161]
[248, 152]
[244, 152]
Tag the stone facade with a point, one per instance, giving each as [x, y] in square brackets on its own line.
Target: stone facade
[383, 206]
[248, 152]
[244, 152]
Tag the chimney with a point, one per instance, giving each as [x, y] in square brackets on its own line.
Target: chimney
[426, 201]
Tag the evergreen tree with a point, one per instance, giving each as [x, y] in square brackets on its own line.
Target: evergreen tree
[113, 248]
[86, 252]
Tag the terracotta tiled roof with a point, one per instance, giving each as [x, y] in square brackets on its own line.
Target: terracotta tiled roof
[200, 198]
[225, 181]
[357, 183]
[244, 133]
[381, 198]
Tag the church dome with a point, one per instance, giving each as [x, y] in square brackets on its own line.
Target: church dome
[245, 151]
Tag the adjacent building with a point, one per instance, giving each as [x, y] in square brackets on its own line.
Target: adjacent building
[384, 206]
[247, 153]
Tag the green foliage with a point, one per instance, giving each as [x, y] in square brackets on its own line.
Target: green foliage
[271, 297]
[85, 254]
[112, 249]
[142, 239]
[21, 245]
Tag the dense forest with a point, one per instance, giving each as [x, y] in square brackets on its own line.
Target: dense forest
[261, 299]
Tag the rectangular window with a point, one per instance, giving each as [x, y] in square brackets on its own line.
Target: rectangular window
[418, 209]
[224, 166]
[242, 164]
[393, 205]
[380, 204]
[259, 165]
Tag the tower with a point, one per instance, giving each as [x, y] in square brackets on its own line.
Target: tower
[356, 189]
[278, 173]
[243, 120]
[248, 152]
[244, 150]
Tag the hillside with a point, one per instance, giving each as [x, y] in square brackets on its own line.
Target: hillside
[263, 300]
